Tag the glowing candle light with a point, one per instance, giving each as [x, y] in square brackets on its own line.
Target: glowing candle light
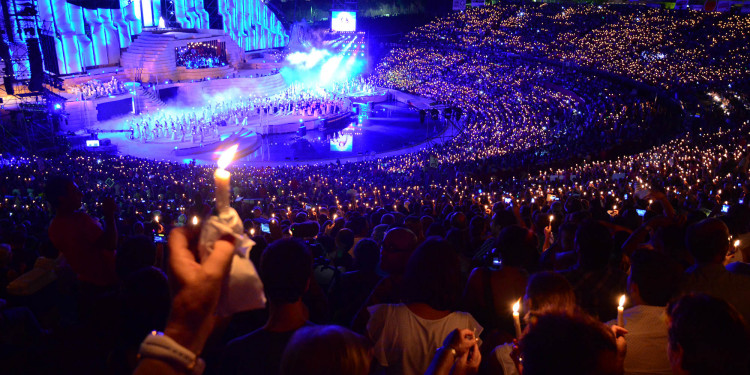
[620, 310]
[221, 178]
[195, 220]
[252, 231]
[517, 318]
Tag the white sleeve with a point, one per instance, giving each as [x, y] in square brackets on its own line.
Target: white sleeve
[376, 331]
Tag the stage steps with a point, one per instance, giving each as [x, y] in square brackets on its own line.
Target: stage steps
[148, 101]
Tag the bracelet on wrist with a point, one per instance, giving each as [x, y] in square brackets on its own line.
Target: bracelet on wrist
[161, 347]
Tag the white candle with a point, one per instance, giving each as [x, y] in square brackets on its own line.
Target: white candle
[221, 178]
[517, 318]
[620, 310]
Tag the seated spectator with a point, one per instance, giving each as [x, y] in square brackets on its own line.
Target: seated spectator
[326, 350]
[89, 249]
[353, 287]
[546, 292]
[406, 335]
[654, 280]
[564, 343]
[398, 246]
[708, 242]
[596, 283]
[135, 253]
[490, 292]
[707, 336]
[286, 270]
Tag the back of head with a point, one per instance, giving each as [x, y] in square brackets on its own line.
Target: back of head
[433, 275]
[285, 269]
[711, 333]
[135, 253]
[397, 247]
[550, 291]
[658, 277]
[562, 343]
[56, 189]
[594, 245]
[326, 350]
[458, 220]
[345, 239]
[516, 245]
[145, 303]
[708, 240]
[366, 255]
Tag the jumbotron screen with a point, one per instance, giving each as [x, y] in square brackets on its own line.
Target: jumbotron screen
[343, 21]
[342, 143]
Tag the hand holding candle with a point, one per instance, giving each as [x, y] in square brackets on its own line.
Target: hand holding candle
[620, 310]
[517, 318]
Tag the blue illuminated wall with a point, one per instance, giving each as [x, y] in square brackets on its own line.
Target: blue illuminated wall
[95, 37]
[252, 24]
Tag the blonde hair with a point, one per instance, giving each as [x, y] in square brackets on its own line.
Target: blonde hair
[320, 350]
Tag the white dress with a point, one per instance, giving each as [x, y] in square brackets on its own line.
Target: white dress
[404, 342]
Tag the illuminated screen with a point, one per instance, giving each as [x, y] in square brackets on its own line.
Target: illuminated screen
[343, 143]
[343, 21]
[94, 143]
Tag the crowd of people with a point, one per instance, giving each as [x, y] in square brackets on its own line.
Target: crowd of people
[97, 89]
[577, 224]
[200, 56]
[676, 50]
[199, 124]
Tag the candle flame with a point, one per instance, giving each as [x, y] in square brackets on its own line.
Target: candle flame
[195, 220]
[252, 231]
[622, 300]
[227, 156]
[516, 306]
[736, 243]
[551, 217]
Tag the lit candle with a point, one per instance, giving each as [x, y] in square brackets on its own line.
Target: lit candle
[551, 218]
[517, 318]
[252, 231]
[221, 178]
[620, 310]
[195, 220]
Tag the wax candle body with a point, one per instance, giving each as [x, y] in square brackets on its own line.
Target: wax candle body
[517, 323]
[221, 177]
[620, 318]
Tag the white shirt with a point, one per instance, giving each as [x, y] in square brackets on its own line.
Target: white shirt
[404, 342]
[647, 340]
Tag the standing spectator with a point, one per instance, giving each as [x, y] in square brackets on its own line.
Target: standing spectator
[654, 279]
[708, 241]
[707, 336]
[286, 270]
[406, 335]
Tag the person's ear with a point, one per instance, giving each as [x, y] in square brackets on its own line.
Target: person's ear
[634, 290]
[676, 354]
